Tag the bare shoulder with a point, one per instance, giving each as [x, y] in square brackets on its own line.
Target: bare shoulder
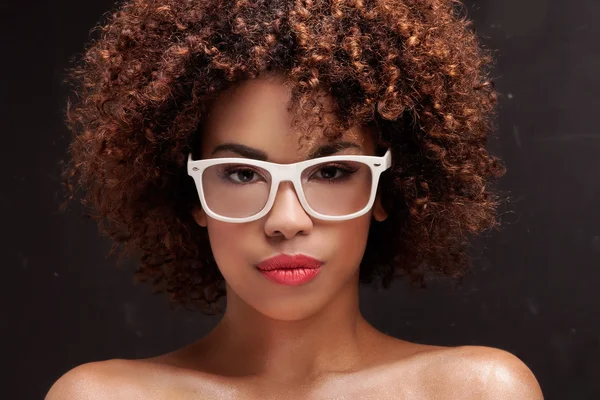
[111, 379]
[143, 379]
[479, 372]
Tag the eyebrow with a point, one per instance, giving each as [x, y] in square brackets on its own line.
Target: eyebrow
[249, 152]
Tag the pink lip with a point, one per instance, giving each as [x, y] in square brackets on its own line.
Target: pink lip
[288, 269]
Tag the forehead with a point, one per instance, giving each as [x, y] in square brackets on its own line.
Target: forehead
[255, 114]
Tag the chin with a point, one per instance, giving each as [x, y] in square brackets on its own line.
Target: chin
[289, 312]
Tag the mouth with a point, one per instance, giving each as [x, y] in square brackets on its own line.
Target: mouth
[290, 270]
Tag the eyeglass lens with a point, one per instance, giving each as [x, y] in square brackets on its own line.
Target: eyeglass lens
[238, 190]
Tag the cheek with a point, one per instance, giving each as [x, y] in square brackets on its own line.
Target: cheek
[228, 242]
[236, 246]
[343, 245]
[351, 239]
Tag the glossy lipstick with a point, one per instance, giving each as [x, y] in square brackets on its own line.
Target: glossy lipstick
[290, 270]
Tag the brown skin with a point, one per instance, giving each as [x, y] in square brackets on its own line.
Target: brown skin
[474, 373]
[305, 342]
[410, 70]
[406, 75]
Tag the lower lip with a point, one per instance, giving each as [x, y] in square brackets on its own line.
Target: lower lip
[291, 276]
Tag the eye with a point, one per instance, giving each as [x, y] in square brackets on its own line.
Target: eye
[329, 172]
[333, 172]
[242, 175]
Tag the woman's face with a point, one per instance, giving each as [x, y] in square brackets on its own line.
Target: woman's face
[255, 115]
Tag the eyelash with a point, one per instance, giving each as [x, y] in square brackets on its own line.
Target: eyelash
[347, 171]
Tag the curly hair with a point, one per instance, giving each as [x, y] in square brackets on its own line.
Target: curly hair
[414, 70]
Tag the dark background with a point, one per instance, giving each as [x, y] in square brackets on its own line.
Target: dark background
[534, 289]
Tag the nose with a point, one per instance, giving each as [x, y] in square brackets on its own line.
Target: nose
[287, 217]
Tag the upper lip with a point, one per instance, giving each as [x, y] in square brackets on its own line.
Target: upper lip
[288, 261]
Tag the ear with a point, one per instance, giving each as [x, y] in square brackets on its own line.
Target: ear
[379, 212]
[199, 216]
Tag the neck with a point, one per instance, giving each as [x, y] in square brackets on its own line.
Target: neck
[248, 343]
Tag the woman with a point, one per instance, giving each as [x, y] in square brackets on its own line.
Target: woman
[276, 154]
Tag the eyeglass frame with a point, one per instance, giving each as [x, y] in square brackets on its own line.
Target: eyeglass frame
[289, 173]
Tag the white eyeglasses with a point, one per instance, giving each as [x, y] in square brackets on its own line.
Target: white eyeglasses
[333, 188]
